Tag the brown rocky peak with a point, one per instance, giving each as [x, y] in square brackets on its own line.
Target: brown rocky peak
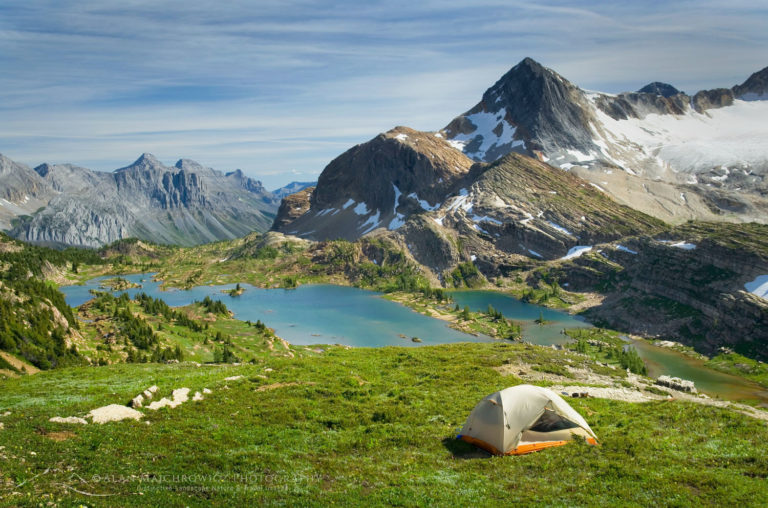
[292, 207]
[413, 161]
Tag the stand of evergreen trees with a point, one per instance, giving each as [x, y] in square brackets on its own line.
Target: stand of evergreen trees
[29, 325]
[214, 306]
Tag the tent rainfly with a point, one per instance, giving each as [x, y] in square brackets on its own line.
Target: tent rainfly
[523, 419]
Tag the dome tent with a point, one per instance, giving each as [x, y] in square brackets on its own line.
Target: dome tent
[523, 419]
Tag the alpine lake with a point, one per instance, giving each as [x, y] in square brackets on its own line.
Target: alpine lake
[330, 314]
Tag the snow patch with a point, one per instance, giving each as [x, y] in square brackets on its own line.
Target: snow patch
[373, 222]
[485, 218]
[397, 197]
[625, 249]
[487, 125]
[534, 253]
[349, 203]
[692, 142]
[577, 251]
[423, 203]
[758, 287]
[683, 245]
[361, 209]
[397, 222]
[560, 228]
[401, 137]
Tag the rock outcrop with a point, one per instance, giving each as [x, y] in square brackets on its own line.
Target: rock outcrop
[292, 207]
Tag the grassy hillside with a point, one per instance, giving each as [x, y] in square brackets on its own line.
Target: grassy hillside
[357, 426]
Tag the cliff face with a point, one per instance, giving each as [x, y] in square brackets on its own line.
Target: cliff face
[185, 204]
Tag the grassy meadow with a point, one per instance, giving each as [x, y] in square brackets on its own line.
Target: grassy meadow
[333, 425]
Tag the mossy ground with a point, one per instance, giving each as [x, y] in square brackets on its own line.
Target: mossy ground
[357, 426]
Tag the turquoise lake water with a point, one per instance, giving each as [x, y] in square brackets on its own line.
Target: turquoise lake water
[310, 314]
[526, 313]
[328, 314]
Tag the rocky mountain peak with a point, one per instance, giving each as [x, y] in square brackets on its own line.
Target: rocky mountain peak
[528, 80]
[146, 161]
[377, 184]
[529, 108]
[413, 161]
[44, 169]
[659, 88]
[251, 185]
[754, 88]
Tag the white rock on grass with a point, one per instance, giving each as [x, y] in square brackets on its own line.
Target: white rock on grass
[68, 419]
[197, 396]
[206, 390]
[137, 401]
[150, 391]
[114, 413]
[232, 378]
[180, 396]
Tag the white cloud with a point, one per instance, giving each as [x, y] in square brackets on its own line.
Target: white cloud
[277, 86]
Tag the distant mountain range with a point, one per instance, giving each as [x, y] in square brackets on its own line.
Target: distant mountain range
[658, 151]
[185, 204]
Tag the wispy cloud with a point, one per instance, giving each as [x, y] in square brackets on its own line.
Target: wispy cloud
[279, 86]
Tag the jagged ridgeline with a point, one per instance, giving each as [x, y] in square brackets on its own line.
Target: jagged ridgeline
[185, 204]
[35, 321]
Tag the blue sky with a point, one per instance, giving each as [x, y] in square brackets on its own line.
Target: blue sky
[279, 88]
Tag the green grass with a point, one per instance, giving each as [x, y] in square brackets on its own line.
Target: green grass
[247, 341]
[360, 426]
[739, 365]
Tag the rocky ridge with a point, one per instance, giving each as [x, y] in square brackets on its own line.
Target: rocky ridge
[184, 204]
